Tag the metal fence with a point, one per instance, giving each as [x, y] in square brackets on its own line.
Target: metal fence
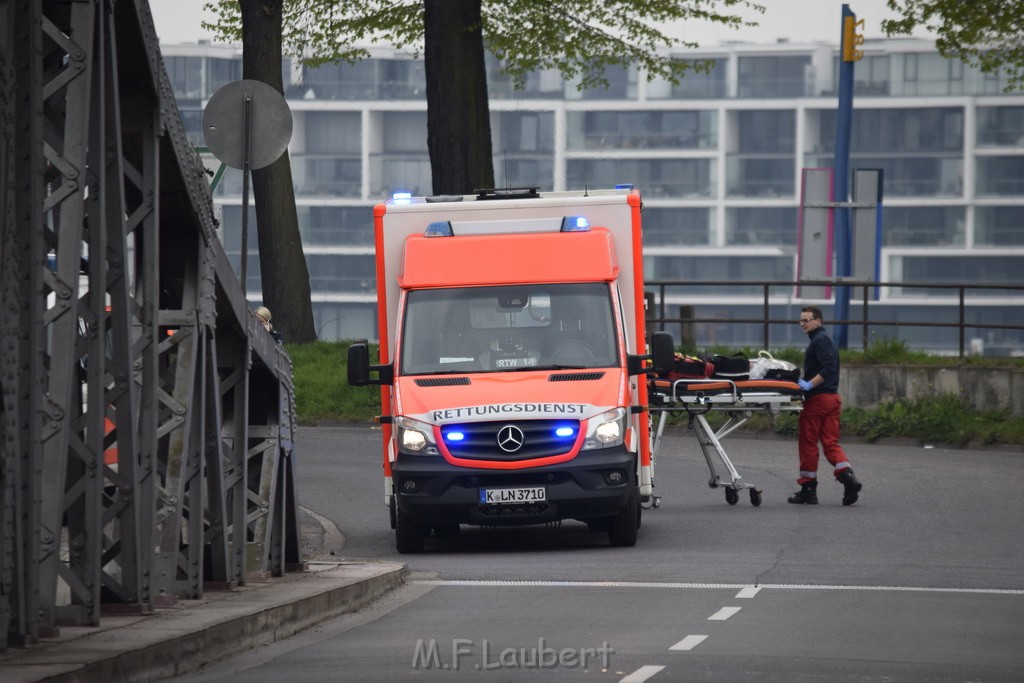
[663, 295]
[146, 447]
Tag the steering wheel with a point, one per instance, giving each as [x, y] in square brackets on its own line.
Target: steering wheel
[572, 351]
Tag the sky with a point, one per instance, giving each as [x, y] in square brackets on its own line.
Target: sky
[177, 21]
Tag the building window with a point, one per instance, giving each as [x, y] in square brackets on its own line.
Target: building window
[186, 76]
[517, 132]
[622, 83]
[731, 268]
[657, 177]
[404, 132]
[341, 81]
[342, 273]
[336, 225]
[931, 226]
[677, 227]
[872, 76]
[999, 226]
[773, 76]
[1000, 126]
[766, 132]
[761, 226]
[960, 269]
[1000, 176]
[641, 130]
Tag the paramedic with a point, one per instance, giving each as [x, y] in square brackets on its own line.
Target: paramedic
[263, 313]
[819, 420]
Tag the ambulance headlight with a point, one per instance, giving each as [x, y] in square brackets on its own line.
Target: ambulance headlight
[606, 430]
[415, 436]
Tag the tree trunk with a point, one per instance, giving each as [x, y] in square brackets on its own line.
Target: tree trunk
[283, 269]
[458, 117]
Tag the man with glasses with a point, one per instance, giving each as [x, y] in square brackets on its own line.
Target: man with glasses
[819, 420]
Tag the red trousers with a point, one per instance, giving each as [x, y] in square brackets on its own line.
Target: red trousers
[819, 422]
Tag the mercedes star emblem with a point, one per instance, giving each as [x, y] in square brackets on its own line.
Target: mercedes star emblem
[510, 438]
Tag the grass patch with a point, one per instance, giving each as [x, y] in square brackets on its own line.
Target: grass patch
[322, 391]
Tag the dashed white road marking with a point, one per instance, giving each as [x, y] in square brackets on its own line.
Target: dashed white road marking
[689, 642]
[748, 592]
[642, 674]
[724, 613]
[658, 584]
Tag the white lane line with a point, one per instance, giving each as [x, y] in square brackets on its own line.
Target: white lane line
[653, 584]
[723, 614]
[642, 674]
[689, 642]
[748, 592]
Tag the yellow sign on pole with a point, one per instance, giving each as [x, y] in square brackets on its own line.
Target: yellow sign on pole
[852, 39]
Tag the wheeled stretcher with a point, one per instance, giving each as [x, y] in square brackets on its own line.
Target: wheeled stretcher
[739, 399]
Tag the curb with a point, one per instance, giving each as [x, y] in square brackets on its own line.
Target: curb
[183, 639]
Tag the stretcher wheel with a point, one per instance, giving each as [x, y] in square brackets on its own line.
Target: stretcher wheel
[755, 497]
[731, 495]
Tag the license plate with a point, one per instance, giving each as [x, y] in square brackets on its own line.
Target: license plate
[518, 495]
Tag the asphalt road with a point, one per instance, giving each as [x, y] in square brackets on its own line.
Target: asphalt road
[923, 579]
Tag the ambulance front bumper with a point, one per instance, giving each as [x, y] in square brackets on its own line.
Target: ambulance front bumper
[594, 484]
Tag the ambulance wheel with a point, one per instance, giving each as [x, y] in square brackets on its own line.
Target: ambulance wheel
[731, 496]
[625, 526]
[409, 536]
[755, 497]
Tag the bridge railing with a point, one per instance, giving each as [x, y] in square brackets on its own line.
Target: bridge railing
[146, 440]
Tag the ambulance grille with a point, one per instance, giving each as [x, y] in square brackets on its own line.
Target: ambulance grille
[576, 377]
[480, 440]
[443, 382]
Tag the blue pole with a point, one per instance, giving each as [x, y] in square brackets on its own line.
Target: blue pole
[841, 182]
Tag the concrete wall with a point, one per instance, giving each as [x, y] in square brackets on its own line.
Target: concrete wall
[866, 386]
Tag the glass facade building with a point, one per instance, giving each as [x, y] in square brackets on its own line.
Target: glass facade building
[717, 157]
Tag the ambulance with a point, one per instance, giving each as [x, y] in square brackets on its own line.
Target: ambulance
[512, 362]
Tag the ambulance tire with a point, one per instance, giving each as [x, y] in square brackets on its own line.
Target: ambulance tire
[626, 525]
[409, 536]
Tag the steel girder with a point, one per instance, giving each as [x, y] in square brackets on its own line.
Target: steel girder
[147, 419]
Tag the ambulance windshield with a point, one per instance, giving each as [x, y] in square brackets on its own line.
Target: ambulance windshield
[508, 328]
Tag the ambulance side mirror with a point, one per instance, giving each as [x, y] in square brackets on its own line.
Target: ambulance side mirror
[662, 355]
[359, 367]
[663, 352]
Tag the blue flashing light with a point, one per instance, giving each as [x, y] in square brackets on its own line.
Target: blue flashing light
[402, 197]
[624, 186]
[565, 432]
[455, 436]
[575, 224]
[439, 229]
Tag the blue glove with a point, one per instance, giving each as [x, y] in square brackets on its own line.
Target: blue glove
[805, 385]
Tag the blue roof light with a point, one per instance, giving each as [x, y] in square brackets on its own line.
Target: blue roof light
[624, 186]
[575, 224]
[439, 229]
[402, 197]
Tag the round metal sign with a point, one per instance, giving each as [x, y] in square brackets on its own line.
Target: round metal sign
[270, 124]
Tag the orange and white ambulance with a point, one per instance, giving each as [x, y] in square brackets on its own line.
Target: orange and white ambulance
[512, 361]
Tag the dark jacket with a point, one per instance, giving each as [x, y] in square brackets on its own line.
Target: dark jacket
[822, 358]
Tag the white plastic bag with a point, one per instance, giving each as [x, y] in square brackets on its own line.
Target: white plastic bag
[765, 362]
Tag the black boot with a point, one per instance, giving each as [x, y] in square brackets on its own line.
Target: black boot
[851, 487]
[807, 495]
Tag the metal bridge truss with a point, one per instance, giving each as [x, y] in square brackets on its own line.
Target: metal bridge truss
[146, 445]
